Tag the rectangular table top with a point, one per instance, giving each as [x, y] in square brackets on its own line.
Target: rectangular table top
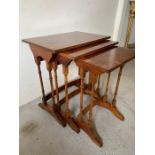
[66, 41]
[88, 50]
[107, 60]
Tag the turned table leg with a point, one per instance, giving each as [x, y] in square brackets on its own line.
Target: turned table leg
[37, 60]
[117, 85]
[56, 81]
[105, 97]
[87, 126]
[91, 104]
[49, 68]
[65, 72]
[52, 109]
[103, 101]
[93, 79]
[71, 122]
[111, 106]
[81, 93]
[98, 85]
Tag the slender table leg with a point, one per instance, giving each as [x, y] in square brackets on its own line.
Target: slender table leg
[49, 68]
[81, 93]
[37, 60]
[65, 71]
[71, 122]
[117, 85]
[91, 104]
[61, 88]
[105, 97]
[56, 81]
[103, 102]
[93, 79]
[98, 85]
[89, 82]
[53, 110]
[87, 126]
[112, 106]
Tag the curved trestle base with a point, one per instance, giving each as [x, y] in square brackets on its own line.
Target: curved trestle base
[90, 131]
[54, 112]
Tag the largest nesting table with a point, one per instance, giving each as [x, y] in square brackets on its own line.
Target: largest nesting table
[92, 53]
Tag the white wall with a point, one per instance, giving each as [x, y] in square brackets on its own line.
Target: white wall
[44, 17]
[119, 19]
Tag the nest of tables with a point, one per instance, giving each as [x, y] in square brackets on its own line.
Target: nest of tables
[93, 54]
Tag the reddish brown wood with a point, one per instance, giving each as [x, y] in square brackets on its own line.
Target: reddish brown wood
[67, 115]
[49, 68]
[51, 109]
[93, 80]
[41, 52]
[81, 93]
[105, 104]
[56, 81]
[65, 72]
[75, 82]
[66, 41]
[97, 64]
[70, 55]
[37, 60]
[54, 111]
[106, 61]
[110, 107]
[70, 95]
[105, 97]
[98, 85]
[87, 126]
[91, 132]
[117, 85]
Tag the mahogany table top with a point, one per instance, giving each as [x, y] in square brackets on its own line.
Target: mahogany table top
[107, 60]
[66, 41]
[87, 50]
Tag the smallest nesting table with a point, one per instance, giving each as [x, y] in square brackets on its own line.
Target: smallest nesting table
[103, 62]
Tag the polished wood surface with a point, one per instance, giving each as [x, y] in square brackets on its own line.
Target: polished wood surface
[68, 56]
[65, 41]
[107, 60]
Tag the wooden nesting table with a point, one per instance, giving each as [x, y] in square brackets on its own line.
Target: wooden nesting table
[93, 54]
